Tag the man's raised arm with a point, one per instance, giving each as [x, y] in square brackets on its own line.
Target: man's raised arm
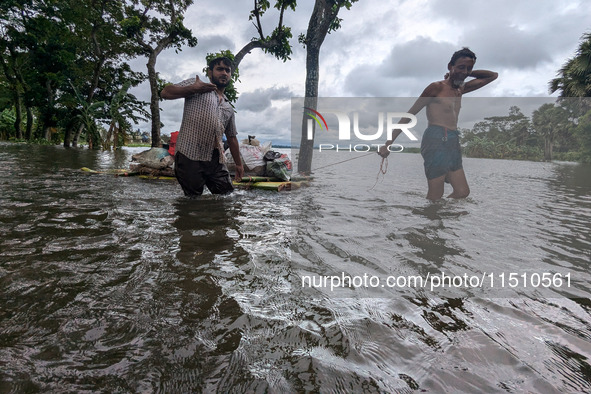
[173, 92]
[481, 78]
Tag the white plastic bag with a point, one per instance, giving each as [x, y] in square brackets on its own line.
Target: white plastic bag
[252, 158]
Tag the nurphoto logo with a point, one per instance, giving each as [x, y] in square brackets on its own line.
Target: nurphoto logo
[386, 121]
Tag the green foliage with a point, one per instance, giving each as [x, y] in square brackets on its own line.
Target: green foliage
[52, 46]
[486, 148]
[132, 26]
[7, 119]
[583, 133]
[87, 116]
[574, 78]
[515, 128]
[549, 135]
[281, 47]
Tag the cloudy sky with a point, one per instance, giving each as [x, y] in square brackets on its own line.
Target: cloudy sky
[385, 48]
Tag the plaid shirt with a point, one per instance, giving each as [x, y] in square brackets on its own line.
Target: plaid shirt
[205, 119]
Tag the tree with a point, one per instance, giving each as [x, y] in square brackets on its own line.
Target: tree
[13, 62]
[37, 54]
[550, 121]
[574, 78]
[155, 26]
[514, 128]
[101, 70]
[322, 21]
[123, 106]
[583, 131]
[277, 43]
[87, 115]
[50, 46]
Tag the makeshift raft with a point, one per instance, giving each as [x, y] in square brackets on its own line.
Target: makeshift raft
[116, 171]
[247, 182]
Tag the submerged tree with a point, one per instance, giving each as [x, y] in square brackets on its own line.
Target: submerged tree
[103, 70]
[122, 108]
[322, 21]
[583, 131]
[155, 26]
[47, 46]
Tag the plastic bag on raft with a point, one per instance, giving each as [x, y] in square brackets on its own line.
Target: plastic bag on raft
[278, 165]
[252, 158]
[157, 158]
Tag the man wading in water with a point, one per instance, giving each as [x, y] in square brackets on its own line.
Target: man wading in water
[199, 159]
[440, 146]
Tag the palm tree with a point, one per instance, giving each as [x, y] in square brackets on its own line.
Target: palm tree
[574, 78]
[87, 115]
[123, 108]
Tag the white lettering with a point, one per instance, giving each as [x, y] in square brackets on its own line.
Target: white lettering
[390, 127]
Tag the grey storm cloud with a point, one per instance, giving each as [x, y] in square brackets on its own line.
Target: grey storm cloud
[421, 57]
[516, 34]
[214, 43]
[405, 64]
[383, 49]
[507, 46]
[260, 99]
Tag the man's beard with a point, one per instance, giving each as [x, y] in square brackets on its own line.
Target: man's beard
[218, 83]
[458, 83]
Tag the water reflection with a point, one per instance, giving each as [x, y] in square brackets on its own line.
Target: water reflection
[120, 285]
[208, 327]
[567, 210]
[434, 241]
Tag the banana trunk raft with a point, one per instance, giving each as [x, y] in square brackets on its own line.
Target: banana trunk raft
[247, 182]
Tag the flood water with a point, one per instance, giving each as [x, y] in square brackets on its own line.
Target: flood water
[120, 284]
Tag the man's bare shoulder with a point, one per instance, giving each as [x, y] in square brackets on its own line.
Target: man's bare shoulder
[434, 89]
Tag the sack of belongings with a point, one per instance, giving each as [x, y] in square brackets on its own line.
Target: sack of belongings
[278, 165]
[252, 158]
[155, 161]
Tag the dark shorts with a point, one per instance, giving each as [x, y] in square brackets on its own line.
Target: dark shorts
[441, 151]
[193, 175]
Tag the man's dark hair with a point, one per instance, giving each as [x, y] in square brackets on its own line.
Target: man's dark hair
[218, 60]
[464, 52]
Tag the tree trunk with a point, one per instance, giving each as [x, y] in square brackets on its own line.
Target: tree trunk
[154, 98]
[12, 78]
[77, 136]
[323, 15]
[310, 101]
[19, 116]
[29, 129]
[249, 47]
[548, 148]
[107, 140]
[115, 136]
[67, 136]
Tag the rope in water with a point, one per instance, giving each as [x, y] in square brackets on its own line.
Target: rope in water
[344, 161]
[382, 170]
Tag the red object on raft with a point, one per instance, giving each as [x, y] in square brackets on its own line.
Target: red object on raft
[172, 142]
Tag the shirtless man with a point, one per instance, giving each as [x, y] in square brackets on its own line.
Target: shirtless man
[440, 146]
